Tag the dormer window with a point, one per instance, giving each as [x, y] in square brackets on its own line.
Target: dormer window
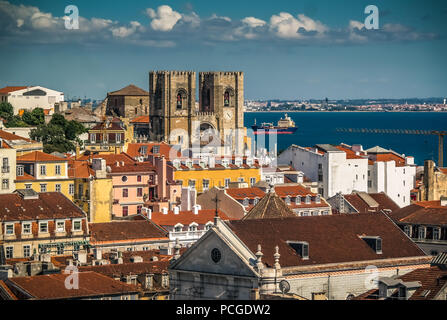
[246, 202]
[407, 230]
[307, 199]
[256, 201]
[318, 199]
[436, 233]
[298, 200]
[287, 200]
[421, 232]
[301, 248]
[193, 227]
[374, 243]
[178, 228]
[156, 149]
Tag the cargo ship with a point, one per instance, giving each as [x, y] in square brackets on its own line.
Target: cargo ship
[285, 126]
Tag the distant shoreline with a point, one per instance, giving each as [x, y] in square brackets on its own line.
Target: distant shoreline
[344, 111]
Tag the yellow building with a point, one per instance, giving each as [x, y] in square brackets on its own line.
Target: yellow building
[206, 174]
[44, 172]
[109, 137]
[93, 189]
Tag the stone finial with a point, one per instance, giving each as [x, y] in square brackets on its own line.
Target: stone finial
[177, 248]
[259, 256]
[276, 256]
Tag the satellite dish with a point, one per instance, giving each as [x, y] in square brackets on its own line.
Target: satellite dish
[284, 286]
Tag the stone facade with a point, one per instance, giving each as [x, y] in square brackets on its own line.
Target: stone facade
[174, 110]
[129, 102]
[435, 182]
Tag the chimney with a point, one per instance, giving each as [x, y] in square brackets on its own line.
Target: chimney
[117, 164]
[98, 254]
[212, 162]
[164, 211]
[148, 213]
[176, 210]
[82, 257]
[409, 161]
[195, 210]
[444, 201]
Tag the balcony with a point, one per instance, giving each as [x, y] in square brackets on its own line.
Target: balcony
[186, 235]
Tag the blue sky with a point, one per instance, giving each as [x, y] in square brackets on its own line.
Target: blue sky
[287, 49]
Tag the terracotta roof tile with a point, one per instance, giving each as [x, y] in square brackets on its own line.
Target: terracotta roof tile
[126, 230]
[243, 193]
[271, 206]
[91, 284]
[136, 150]
[425, 212]
[11, 89]
[49, 205]
[331, 239]
[38, 156]
[141, 119]
[9, 136]
[130, 90]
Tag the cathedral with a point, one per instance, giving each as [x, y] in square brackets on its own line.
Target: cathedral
[217, 119]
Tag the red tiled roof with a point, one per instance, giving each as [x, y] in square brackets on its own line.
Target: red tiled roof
[443, 170]
[349, 153]
[293, 191]
[11, 89]
[126, 230]
[49, 205]
[91, 284]
[141, 119]
[79, 169]
[332, 239]
[133, 167]
[130, 90]
[38, 156]
[112, 125]
[425, 212]
[111, 159]
[119, 270]
[9, 136]
[386, 157]
[361, 206]
[242, 193]
[25, 177]
[187, 217]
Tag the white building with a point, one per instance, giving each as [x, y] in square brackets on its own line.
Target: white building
[8, 168]
[346, 169]
[29, 98]
[335, 168]
[391, 173]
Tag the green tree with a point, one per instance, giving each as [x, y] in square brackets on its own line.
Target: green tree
[35, 117]
[6, 110]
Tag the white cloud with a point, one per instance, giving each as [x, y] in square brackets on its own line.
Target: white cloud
[123, 32]
[253, 22]
[356, 25]
[164, 19]
[287, 26]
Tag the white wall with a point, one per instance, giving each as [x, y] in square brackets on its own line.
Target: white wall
[396, 182]
[19, 101]
[339, 174]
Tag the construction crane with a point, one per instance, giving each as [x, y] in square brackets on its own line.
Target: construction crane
[440, 134]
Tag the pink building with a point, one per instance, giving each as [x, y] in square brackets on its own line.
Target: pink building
[139, 183]
[133, 184]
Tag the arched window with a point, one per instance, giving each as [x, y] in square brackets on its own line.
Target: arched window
[227, 98]
[179, 101]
